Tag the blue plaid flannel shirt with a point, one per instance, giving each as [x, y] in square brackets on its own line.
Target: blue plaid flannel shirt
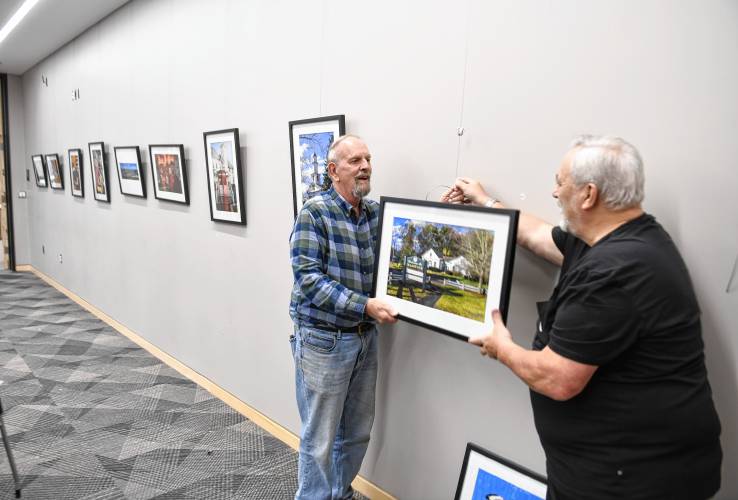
[332, 261]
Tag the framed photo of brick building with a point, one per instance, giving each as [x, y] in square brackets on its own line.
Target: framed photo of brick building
[56, 180]
[168, 172]
[225, 176]
[76, 178]
[99, 171]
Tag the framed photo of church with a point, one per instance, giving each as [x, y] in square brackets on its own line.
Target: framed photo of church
[99, 171]
[130, 173]
[39, 170]
[76, 178]
[309, 143]
[445, 267]
[487, 476]
[168, 172]
[56, 181]
[225, 176]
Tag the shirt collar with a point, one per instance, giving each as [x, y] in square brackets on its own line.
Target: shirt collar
[341, 201]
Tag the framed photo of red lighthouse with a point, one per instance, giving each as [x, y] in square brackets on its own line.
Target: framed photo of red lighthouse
[309, 143]
[225, 176]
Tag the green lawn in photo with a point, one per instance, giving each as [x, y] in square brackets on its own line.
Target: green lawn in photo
[419, 293]
[463, 303]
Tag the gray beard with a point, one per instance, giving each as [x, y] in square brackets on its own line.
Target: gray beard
[361, 192]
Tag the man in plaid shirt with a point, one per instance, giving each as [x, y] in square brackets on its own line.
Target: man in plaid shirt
[334, 344]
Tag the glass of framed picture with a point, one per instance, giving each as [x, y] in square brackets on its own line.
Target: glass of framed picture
[99, 171]
[225, 177]
[309, 143]
[39, 170]
[443, 266]
[168, 172]
[487, 476]
[130, 173]
[55, 172]
[75, 172]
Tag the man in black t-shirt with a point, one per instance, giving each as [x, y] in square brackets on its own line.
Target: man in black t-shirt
[618, 382]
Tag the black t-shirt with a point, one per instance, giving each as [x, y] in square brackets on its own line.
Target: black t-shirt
[645, 425]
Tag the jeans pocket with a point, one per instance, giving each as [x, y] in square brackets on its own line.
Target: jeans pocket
[318, 341]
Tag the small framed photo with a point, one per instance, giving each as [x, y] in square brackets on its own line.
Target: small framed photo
[130, 173]
[225, 177]
[309, 143]
[75, 172]
[55, 172]
[168, 172]
[486, 476]
[99, 171]
[443, 266]
[39, 170]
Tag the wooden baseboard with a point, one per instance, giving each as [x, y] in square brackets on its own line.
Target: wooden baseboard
[283, 434]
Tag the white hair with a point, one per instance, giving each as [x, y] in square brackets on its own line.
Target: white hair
[332, 154]
[611, 164]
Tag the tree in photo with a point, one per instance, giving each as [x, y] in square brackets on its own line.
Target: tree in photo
[477, 248]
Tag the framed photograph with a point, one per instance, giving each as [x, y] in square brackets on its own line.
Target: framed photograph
[130, 173]
[168, 172]
[486, 476]
[55, 172]
[443, 266]
[99, 171]
[309, 143]
[75, 172]
[225, 178]
[39, 170]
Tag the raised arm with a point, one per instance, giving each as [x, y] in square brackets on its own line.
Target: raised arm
[533, 233]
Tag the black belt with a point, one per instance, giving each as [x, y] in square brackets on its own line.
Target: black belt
[360, 328]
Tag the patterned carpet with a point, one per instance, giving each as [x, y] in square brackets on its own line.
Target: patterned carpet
[93, 416]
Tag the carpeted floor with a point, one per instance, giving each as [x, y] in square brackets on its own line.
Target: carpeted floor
[93, 416]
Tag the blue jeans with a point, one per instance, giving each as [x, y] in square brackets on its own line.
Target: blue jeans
[335, 378]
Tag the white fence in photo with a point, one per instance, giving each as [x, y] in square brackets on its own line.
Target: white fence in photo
[461, 286]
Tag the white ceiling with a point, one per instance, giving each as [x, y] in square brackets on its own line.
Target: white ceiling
[46, 28]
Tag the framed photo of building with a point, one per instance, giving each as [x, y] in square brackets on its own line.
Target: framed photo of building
[225, 176]
[39, 170]
[168, 172]
[55, 172]
[76, 178]
[443, 266]
[99, 171]
[130, 173]
[309, 143]
[486, 476]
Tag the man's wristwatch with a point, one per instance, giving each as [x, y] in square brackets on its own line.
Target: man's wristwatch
[490, 203]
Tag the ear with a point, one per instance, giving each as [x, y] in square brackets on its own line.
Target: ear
[591, 196]
[332, 171]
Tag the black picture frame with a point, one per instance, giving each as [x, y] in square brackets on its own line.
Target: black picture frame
[99, 171]
[130, 172]
[225, 176]
[54, 171]
[39, 170]
[76, 172]
[169, 173]
[445, 267]
[316, 135]
[487, 475]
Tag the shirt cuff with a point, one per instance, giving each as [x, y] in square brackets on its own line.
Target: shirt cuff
[357, 304]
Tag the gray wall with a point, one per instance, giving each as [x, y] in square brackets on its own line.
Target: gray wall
[19, 162]
[522, 77]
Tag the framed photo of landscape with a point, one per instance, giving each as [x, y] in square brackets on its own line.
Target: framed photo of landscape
[130, 173]
[39, 170]
[168, 172]
[309, 143]
[225, 177]
[486, 476]
[76, 178]
[444, 266]
[99, 171]
[55, 172]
